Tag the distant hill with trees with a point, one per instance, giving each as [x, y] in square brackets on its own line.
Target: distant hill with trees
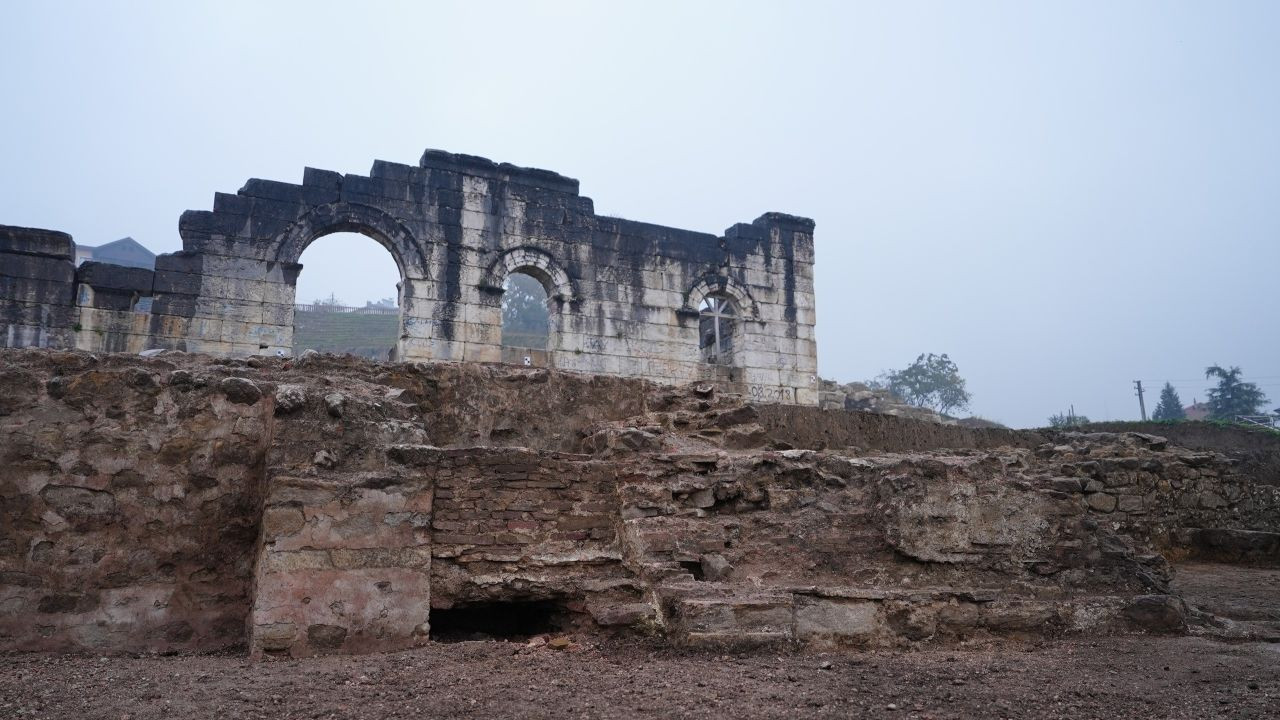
[326, 325]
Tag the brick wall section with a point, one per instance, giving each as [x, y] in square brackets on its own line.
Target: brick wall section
[546, 523]
[880, 550]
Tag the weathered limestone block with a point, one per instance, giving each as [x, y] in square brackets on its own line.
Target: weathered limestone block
[752, 620]
[34, 241]
[343, 566]
[105, 276]
[838, 621]
[36, 267]
[34, 291]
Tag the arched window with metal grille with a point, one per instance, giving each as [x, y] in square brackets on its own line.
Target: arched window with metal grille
[717, 324]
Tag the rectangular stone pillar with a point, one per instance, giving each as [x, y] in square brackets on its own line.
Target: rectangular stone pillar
[37, 286]
[343, 565]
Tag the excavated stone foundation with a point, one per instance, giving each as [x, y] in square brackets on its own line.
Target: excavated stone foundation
[324, 504]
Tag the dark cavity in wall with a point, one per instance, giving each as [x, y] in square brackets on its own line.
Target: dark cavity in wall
[516, 619]
[694, 568]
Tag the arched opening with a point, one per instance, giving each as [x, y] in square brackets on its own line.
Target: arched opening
[347, 298]
[718, 322]
[526, 317]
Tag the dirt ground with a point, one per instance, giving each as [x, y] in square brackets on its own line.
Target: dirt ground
[1107, 678]
[1118, 677]
[1229, 591]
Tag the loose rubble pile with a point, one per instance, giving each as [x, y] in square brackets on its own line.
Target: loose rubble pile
[325, 504]
[864, 398]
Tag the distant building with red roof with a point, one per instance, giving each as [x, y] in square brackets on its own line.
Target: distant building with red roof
[1197, 411]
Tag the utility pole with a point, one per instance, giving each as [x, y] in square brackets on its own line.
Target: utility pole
[1142, 404]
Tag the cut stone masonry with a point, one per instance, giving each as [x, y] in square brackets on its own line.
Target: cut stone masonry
[625, 296]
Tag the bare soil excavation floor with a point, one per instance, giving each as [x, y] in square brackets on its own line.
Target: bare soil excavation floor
[1116, 677]
[1229, 591]
[1110, 678]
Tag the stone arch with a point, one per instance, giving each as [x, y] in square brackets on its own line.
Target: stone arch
[381, 227]
[538, 265]
[710, 285]
[386, 230]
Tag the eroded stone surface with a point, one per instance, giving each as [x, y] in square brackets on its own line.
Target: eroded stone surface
[158, 503]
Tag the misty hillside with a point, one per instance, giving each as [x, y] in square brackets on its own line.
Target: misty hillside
[366, 335]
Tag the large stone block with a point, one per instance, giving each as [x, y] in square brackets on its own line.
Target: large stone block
[105, 276]
[483, 168]
[27, 290]
[838, 620]
[288, 192]
[346, 611]
[37, 314]
[175, 282]
[15, 335]
[36, 267]
[35, 241]
[229, 310]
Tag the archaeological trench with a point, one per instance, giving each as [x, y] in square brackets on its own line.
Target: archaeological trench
[215, 493]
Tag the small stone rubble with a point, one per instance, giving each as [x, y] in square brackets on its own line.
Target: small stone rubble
[864, 398]
[333, 505]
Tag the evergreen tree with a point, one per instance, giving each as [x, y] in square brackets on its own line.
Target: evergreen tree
[1232, 397]
[1170, 407]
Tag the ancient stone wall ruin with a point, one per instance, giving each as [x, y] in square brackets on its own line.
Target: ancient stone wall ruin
[626, 298]
[37, 288]
[129, 503]
[330, 505]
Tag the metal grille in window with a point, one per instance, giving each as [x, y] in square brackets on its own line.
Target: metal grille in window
[716, 326]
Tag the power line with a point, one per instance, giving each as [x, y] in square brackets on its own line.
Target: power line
[1188, 383]
[1255, 377]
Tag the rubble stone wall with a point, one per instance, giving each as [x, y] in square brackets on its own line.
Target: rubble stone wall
[832, 428]
[1257, 449]
[876, 550]
[325, 505]
[128, 507]
[624, 295]
[1185, 503]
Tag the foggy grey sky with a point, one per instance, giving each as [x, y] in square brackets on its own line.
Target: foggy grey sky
[1063, 196]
